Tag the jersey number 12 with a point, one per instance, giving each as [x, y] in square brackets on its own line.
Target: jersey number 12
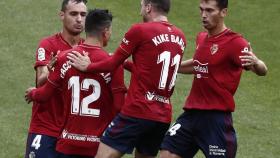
[84, 110]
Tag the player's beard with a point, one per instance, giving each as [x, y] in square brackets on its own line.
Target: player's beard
[74, 33]
[145, 19]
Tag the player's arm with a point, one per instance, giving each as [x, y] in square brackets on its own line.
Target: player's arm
[131, 40]
[251, 62]
[128, 65]
[83, 63]
[45, 60]
[186, 67]
[42, 73]
[118, 89]
[40, 94]
[44, 92]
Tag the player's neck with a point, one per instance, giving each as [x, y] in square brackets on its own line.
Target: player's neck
[217, 30]
[93, 42]
[158, 18]
[72, 40]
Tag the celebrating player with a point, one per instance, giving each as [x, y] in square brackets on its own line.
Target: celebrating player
[47, 118]
[156, 47]
[90, 99]
[220, 56]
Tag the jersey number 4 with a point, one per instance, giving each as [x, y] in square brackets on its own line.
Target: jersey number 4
[165, 59]
[84, 110]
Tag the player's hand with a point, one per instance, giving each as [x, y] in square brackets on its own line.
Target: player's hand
[53, 60]
[249, 59]
[28, 97]
[79, 61]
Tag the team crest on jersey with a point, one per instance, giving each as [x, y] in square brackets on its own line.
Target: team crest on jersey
[214, 49]
[41, 54]
[31, 155]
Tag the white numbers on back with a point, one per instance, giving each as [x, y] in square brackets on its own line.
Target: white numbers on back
[164, 58]
[36, 142]
[84, 110]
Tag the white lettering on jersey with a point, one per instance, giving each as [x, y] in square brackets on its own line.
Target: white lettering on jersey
[80, 137]
[159, 39]
[41, 54]
[65, 67]
[151, 96]
[200, 68]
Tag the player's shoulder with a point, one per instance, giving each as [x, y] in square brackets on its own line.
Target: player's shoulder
[235, 37]
[50, 39]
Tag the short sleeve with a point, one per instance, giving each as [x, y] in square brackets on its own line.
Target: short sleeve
[238, 46]
[43, 53]
[117, 84]
[131, 39]
[56, 77]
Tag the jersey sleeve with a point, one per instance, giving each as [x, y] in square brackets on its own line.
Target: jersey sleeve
[118, 88]
[43, 53]
[56, 77]
[238, 46]
[131, 39]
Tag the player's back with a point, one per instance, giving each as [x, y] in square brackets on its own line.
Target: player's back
[48, 117]
[157, 49]
[89, 102]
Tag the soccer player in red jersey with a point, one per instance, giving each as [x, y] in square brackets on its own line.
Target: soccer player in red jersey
[220, 57]
[156, 47]
[47, 118]
[90, 99]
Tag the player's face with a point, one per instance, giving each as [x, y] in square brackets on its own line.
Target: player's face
[144, 11]
[211, 15]
[106, 36]
[73, 17]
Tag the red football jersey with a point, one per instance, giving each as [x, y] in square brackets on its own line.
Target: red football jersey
[217, 71]
[88, 100]
[157, 49]
[47, 118]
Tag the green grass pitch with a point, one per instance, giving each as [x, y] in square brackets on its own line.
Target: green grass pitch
[24, 22]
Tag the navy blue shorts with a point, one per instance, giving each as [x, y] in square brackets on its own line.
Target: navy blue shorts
[126, 133]
[210, 131]
[61, 155]
[40, 146]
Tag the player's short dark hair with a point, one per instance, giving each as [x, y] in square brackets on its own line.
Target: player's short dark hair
[97, 20]
[222, 4]
[161, 5]
[65, 2]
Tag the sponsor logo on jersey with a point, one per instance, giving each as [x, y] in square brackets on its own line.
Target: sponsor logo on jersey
[214, 49]
[151, 96]
[201, 69]
[169, 29]
[245, 50]
[125, 41]
[41, 54]
[79, 137]
[64, 133]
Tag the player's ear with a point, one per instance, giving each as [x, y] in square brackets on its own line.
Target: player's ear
[224, 12]
[61, 15]
[148, 8]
